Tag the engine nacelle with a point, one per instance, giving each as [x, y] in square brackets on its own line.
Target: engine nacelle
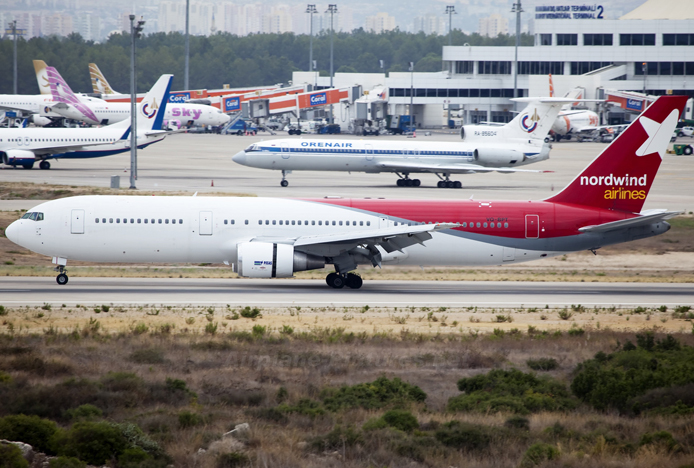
[267, 260]
[17, 157]
[40, 121]
[498, 157]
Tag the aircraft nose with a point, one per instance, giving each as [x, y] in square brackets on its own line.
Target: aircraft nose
[240, 157]
[225, 118]
[12, 232]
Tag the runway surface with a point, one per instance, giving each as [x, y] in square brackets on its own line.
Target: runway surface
[21, 291]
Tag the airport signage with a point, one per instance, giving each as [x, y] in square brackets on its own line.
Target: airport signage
[231, 104]
[569, 12]
[318, 99]
[179, 97]
[634, 104]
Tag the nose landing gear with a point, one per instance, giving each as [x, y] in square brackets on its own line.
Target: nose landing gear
[337, 281]
[284, 182]
[62, 278]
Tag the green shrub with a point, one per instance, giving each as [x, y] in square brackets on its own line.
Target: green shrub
[3, 311]
[304, 406]
[84, 412]
[5, 377]
[512, 391]
[187, 419]
[93, 442]
[286, 330]
[463, 436]
[401, 419]
[258, 331]
[66, 462]
[380, 393]
[147, 356]
[619, 379]
[31, 430]
[374, 424]
[11, 457]
[247, 312]
[537, 454]
[133, 457]
[542, 364]
[518, 422]
[282, 394]
[211, 328]
[232, 460]
[662, 439]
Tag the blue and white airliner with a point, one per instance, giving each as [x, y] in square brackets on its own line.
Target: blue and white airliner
[25, 146]
[485, 148]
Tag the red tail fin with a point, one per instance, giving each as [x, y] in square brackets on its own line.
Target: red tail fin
[621, 176]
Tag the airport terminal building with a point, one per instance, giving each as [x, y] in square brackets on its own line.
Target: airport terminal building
[650, 50]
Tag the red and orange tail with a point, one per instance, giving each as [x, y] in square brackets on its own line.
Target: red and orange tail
[621, 176]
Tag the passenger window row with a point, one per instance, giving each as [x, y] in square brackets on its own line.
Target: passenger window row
[481, 225]
[138, 221]
[293, 222]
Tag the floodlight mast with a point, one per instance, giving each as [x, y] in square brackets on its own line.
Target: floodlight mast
[332, 9]
[517, 9]
[450, 11]
[135, 32]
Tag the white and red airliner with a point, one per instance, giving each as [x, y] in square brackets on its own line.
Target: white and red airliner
[273, 238]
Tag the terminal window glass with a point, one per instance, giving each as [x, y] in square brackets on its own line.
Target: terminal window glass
[689, 68]
[678, 39]
[545, 39]
[484, 93]
[637, 39]
[463, 93]
[597, 39]
[452, 93]
[419, 92]
[464, 67]
[397, 92]
[567, 39]
[441, 92]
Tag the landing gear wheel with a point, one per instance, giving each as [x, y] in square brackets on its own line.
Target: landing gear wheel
[28, 166]
[409, 183]
[284, 183]
[61, 279]
[441, 184]
[450, 184]
[416, 182]
[400, 182]
[354, 281]
[335, 281]
[457, 184]
[45, 165]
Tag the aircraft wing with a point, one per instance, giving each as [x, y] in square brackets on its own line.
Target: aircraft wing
[609, 128]
[16, 109]
[646, 218]
[365, 242]
[448, 168]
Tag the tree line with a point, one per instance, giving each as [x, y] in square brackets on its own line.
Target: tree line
[257, 59]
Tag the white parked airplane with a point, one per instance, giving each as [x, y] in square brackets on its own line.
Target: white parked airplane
[273, 238]
[99, 112]
[24, 146]
[484, 148]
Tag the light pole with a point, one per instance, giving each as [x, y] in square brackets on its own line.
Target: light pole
[332, 9]
[411, 93]
[310, 9]
[135, 32]
[450, 11]
[517, 9]
[644, 68]
[185, 73]
[13, 26]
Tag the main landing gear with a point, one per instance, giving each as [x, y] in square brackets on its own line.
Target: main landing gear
[284, 182]
[338, 281]
[62, 278]
[447, 183]
[405, 181]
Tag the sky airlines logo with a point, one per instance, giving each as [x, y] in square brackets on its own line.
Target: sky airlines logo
[179, 97]
[529, 123]
[318, 99]
[150, 110]
[185, 112]
[620, 192]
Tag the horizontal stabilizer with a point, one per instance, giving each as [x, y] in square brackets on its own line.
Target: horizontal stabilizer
[646, 218]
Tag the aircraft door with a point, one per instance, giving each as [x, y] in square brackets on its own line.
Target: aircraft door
[532, 226]
[509, 254]
[285, 151]
[205, 223]
[369, 153]
[77, 222]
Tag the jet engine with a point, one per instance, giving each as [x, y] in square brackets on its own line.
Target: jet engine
[267, 260]
[17, 157]
[498, 157]
[40, 121]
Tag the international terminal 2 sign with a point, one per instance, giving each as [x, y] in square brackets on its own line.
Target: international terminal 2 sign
[569, 12]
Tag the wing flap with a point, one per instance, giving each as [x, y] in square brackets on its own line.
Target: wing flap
[397, 237]
[449, 168]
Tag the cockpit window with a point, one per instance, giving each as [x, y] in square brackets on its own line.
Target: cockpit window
[251, 148]
[33, 215]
